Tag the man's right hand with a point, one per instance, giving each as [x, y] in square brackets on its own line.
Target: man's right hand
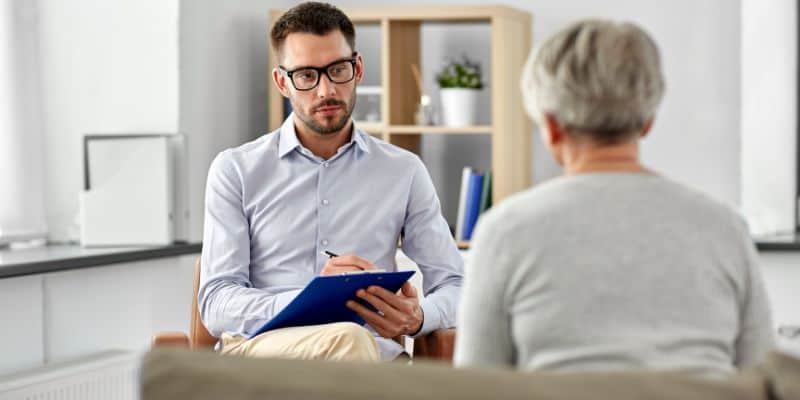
[343, 264]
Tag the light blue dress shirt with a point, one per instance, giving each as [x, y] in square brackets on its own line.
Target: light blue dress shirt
[272, 207]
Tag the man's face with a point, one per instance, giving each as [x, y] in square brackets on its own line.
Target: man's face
[326, 108]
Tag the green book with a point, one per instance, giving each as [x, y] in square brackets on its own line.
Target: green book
[486, 192]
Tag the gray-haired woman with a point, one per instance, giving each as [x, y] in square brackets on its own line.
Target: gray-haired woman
[611, 266]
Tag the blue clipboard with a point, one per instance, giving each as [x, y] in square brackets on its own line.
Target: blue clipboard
[323, 300]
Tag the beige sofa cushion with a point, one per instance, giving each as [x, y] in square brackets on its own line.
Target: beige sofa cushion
[179, 374]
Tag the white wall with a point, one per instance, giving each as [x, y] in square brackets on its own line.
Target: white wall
[196, 67]
[63, 315]
[107, 67]
[768, 136]
[21, 314]
[782, 278]
[781, 271]
[115, 307]
[21, 172]
[224, 76]
[769, 114]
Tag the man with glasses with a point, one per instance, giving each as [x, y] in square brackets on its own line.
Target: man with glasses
[317, 184]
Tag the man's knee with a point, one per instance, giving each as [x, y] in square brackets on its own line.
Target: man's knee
[353, 340]
[350, 333]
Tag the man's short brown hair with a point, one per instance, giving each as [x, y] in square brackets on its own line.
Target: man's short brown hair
[312, 17]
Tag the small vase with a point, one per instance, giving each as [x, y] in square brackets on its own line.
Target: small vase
[459, 106]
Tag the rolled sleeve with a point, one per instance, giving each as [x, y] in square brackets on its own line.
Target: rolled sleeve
[226, 299]
[428, 242]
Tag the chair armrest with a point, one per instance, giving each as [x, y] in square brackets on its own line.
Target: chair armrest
[170, 339]
[437, 345]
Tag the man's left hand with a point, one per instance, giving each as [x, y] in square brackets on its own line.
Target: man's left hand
[399, 314]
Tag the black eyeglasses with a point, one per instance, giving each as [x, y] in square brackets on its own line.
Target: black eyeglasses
[307, 78]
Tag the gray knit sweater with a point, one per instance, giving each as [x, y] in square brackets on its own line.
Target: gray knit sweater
[613, 271]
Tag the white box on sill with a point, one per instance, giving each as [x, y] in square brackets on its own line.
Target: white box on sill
[128, 198]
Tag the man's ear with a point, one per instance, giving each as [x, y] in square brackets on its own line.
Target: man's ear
[647, 126]
[553, 133]
[359, 68]
[281, 82]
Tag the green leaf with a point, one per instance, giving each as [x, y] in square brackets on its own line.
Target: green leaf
[464, 74]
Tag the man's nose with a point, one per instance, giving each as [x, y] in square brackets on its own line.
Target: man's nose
[325, 87]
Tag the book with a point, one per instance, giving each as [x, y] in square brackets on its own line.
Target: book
[472, 204]
[486, 193]
[462, 197]
[324, 299]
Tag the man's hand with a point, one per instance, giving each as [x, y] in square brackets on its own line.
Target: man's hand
[342, 264]
[398, 314]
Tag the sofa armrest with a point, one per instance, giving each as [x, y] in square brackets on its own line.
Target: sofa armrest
[782, 372]
[170, 339]
[437, 345]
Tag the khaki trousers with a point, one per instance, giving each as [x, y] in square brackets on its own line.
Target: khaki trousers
[341, 341]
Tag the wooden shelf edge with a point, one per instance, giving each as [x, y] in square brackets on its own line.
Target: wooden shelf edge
[416, 129]
[434, 13]
[375, 128]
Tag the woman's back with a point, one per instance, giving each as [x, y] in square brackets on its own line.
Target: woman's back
[613, 271]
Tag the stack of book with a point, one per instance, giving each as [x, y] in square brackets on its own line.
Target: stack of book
[475, 198]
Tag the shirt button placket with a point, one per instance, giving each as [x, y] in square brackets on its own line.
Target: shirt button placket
[321, 209]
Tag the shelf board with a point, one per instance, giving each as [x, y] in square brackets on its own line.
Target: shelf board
[375, 128]
[435, 13]
[416, 129]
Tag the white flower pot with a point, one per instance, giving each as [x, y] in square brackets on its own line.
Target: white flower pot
[459, 106]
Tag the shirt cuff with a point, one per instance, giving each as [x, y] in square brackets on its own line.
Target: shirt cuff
[431, 319]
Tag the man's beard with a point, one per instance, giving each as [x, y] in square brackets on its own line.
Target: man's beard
[337, 126]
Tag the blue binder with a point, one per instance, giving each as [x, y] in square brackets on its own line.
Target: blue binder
[323, 300]
[472, 205]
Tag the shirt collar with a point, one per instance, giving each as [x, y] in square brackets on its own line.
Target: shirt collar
[288, 138]
[358, 137]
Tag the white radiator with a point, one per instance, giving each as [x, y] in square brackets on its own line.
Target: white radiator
[106, 376]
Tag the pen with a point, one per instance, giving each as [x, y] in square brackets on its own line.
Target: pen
[329, 254]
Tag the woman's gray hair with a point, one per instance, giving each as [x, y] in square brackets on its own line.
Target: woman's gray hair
[597, 78]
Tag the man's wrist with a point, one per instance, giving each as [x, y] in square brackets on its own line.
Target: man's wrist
[421, 323]
[430, 318]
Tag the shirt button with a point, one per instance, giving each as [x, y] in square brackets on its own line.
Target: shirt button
[325, 202]
[324, 242]
[326, 164]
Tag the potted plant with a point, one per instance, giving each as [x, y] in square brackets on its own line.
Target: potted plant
[460, 83]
